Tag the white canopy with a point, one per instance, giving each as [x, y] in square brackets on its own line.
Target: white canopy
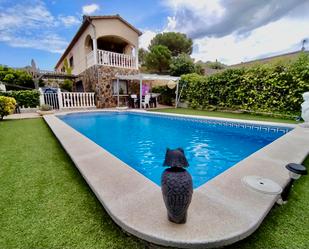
[165, 79]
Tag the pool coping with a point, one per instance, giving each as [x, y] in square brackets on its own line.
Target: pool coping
[222, 211]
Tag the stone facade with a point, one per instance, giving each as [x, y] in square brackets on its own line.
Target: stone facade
[99, 79]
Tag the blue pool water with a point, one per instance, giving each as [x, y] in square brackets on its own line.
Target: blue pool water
[140, 140]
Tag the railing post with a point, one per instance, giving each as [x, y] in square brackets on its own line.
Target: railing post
[136, 62]
[42, 102]
[59, 95]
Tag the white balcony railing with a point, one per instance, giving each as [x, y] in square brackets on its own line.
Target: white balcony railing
[107, 58]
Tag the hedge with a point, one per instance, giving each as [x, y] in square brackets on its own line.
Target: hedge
[271, 88]
[25, 98]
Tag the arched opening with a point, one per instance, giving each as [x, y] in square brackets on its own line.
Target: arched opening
[114, 44]
[88, 44]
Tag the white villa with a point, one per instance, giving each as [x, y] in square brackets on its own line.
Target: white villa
[103, 47]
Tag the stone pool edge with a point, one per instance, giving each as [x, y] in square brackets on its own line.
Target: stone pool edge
[223, 211]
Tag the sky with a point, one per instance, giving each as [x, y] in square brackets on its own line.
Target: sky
[231, 31]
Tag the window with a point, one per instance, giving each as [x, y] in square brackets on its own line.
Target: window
[71, 61]
[123, 87]
[63, 69]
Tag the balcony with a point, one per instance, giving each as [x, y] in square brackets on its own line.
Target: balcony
[112, 59]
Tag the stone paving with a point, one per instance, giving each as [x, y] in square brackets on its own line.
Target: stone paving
[222, 211]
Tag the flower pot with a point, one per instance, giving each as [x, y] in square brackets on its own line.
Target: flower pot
[177, 190]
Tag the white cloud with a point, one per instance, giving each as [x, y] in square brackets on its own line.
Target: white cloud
[210, 10]
[30, 24]
[53, 42]
[90, 9]
[28, 16]
[282, 36]
[237, 30]
[145, 38]
[69, 20]
[200, 18]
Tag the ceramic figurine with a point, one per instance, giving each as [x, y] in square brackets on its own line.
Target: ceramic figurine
[177, 186]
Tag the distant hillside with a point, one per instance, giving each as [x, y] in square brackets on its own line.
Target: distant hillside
[288, 57]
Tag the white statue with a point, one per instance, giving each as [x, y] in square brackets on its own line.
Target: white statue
[305, 107]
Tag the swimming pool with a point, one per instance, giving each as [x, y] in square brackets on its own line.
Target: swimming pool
[140, 140]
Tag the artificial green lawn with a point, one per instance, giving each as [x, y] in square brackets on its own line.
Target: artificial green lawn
[247, 116]
[45, 203]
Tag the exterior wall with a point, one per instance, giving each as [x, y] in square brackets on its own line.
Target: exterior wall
[79, 53]
[100, 80]
[116, 27]
[104, 27]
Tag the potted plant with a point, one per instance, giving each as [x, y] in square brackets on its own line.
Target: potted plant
[45, 110]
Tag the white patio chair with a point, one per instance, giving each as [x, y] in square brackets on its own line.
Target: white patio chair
[145, 101]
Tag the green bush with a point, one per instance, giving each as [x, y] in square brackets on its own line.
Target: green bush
[7, 106]
[167, 95]
[15, 77]
[263, 88]
[67, 85]
[25, 98]
[45, 108]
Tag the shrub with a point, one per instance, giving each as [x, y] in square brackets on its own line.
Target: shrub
[15, 77]
[167, 95]
[67, 85]
[26, 98]
[273, 88]
[45, 108]
[7, 106]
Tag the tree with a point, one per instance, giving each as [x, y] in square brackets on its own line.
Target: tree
[182, 64]
[142, 56]
[215, 65]
[67, 68]
[177, 43]
[16, 77]
[199, 69]
[158, 59]
[67, 85]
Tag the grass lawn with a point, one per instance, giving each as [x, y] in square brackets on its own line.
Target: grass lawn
[247, 116]
[45, 203]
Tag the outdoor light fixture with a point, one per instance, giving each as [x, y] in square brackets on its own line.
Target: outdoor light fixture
[295, 172]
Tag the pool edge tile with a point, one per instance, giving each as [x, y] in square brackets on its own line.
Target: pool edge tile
[215, 216]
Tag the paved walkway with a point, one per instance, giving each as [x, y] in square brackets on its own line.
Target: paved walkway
[23, 115]
[36, 115]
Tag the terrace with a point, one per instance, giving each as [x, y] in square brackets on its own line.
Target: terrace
[110, 51]
[57, 197]
[84, 177]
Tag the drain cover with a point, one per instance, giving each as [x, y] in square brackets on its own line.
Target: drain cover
[263, 185]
